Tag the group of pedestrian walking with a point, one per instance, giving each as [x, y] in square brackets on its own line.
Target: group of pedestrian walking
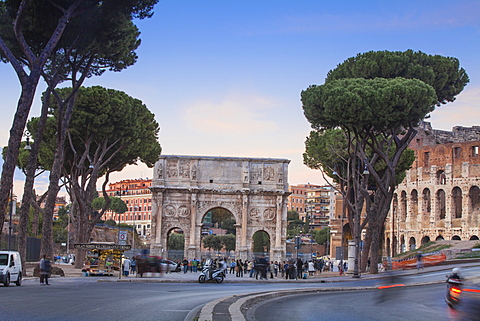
[129, 266]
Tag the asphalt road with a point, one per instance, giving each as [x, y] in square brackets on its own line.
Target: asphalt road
[86, 299]
[413, 303]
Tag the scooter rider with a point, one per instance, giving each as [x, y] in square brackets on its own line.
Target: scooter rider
[455, 275]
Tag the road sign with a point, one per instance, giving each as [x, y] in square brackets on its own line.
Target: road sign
[122, 237]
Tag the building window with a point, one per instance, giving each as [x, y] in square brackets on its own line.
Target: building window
[457, 152]
[474, 151]
[426, 159]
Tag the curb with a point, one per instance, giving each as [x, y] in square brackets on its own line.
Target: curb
[244, 302]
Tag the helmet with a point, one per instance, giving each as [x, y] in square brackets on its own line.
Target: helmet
[455, 270]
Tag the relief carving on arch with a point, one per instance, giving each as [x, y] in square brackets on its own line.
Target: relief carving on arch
[160, 171]
[172, 225]
[280, 174]
[183, 211]
[194, 171]
[169, 211]
[184, 169]
[254, 213]
[234, 207]
[256, 172]
[269, 214]
[269, 173]
[172, 170]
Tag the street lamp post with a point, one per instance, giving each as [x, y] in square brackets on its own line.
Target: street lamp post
[134, 226]
[68, 234]
[10, 227]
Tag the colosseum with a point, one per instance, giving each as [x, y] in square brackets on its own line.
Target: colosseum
[439, 199]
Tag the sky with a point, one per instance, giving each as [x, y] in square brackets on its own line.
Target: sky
[224, 78]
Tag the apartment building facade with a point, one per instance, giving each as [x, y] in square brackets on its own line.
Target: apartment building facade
[138, 198]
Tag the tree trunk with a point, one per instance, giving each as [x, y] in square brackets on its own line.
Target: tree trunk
[366, 249]
[16, 133]
[374, 253]
[28, 193]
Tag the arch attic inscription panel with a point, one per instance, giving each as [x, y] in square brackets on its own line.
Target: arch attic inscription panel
[253, 190]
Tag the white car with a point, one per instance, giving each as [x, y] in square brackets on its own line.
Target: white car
[10, 268]
[168, 266]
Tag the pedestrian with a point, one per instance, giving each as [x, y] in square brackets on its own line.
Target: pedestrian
[345, 267]
[195, 265]
[239, 268]
[275, 268]
[224, 266]
[311, 268]
[126, 266]
[299, 268]
[232, 267]
[133, 266]
[292, 270]
[419, 261]
[185, 265]
[250, 268]
[45, 270]
[286, 268]
[340, 268]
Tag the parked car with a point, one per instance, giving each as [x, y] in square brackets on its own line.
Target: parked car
[10, 268]
[168, 266]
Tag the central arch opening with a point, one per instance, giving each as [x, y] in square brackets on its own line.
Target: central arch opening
[261, 244]
[175, 244]
[218, 238]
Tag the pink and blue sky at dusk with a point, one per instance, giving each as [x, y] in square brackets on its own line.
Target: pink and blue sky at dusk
[224, 78]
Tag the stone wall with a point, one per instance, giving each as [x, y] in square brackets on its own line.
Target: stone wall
[440, 196]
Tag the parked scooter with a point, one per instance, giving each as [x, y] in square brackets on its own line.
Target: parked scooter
[211, 274]
[454, 288]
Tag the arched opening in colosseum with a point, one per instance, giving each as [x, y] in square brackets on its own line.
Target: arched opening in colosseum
[456, 238]
[412, 244]
[441, 178]
[414, 205]
[426, 207]
[473, 238]
[403, 206]
[425, 240]
[473, 205]
[456, 202]
[394, 245]
[441, 205]
[261, 244]
[388, 247]
[395, 206]
[175, 244]
[402, 244]
[439, 238]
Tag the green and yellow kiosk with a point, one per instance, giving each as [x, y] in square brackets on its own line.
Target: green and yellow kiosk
[102, 259]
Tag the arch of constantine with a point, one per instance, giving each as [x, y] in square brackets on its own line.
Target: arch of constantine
[254, 190]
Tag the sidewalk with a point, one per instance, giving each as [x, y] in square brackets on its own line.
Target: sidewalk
[190, 277]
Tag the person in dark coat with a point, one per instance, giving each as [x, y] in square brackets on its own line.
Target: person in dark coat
[45, 269]
[299, 268]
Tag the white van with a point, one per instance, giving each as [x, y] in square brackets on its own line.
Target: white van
[10, 268]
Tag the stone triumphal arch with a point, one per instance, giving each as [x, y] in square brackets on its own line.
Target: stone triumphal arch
[253, 190]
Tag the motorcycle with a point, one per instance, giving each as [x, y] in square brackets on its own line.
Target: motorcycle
[211, 274]
[454, 290]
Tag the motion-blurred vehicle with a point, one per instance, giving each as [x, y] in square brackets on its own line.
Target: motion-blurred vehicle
[454, 289]
[168, 266]
[463, 296]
